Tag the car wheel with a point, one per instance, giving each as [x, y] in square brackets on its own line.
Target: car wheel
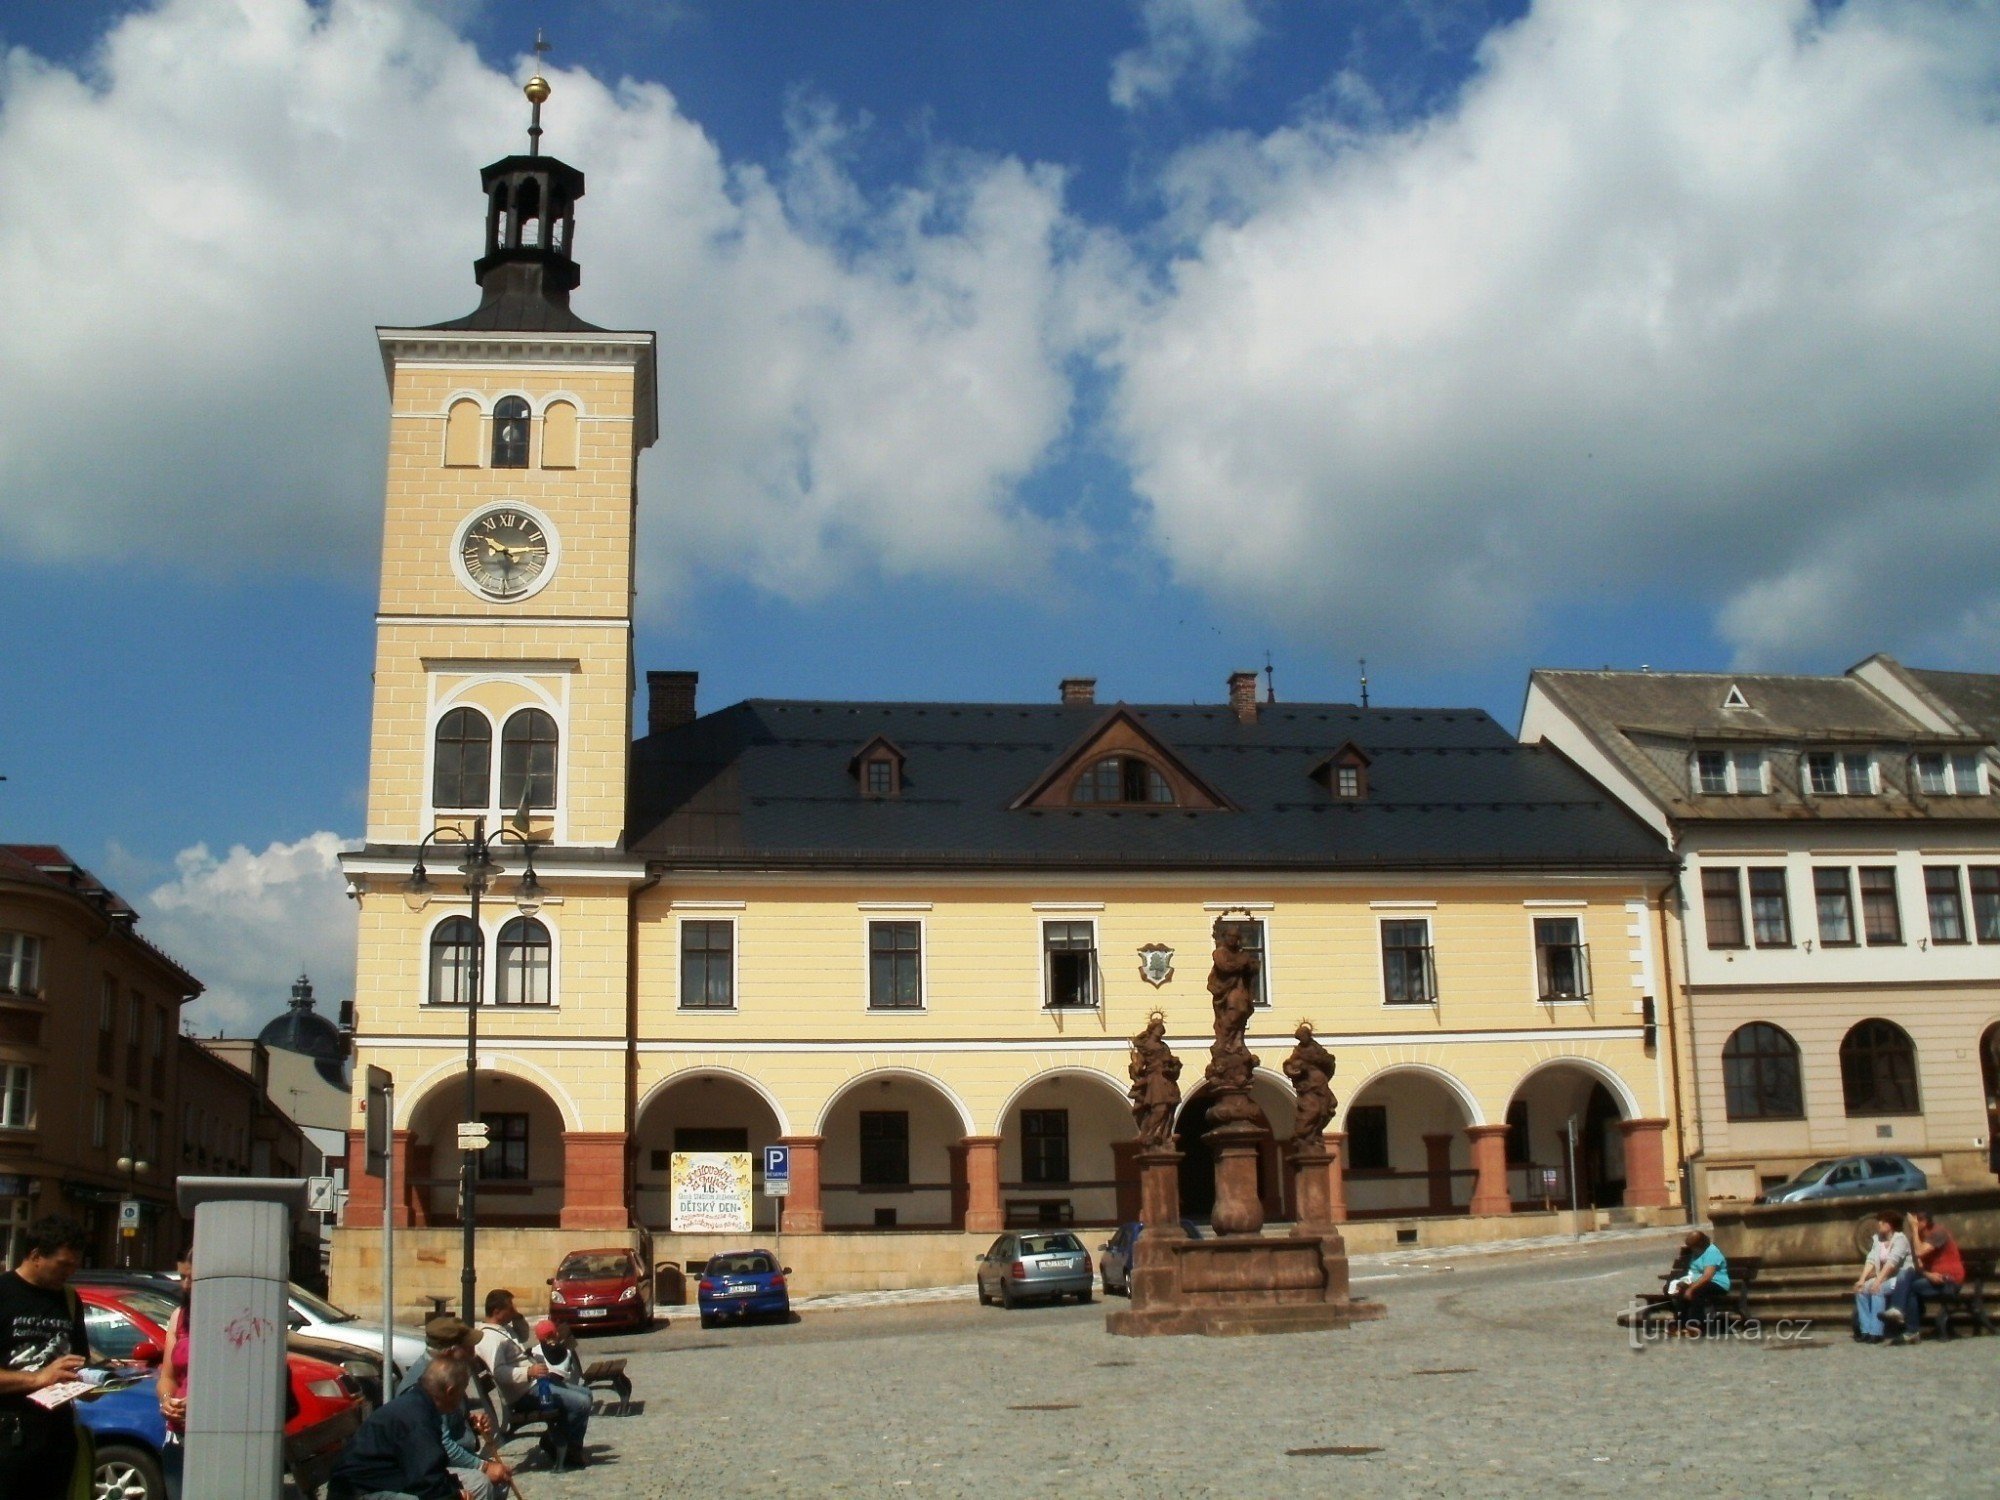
[979, 1286]
[708, 1320]
[1084, 1295]
[128, 1473]
[1007, 1298]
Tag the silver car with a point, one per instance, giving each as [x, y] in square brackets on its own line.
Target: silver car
[1851, 1177]
[1029, 1264]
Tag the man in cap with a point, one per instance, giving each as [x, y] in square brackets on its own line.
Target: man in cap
[465, 1427]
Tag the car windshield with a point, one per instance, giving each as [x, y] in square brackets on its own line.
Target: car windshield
[1048, 1244]
[149, 1304]
[755, 1264]
[1812, 1174]
[317, 1308]
[594, 1267]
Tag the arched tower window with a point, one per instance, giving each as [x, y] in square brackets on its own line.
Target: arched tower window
[1760, 1074]
[454, 945]
[1122, 779]
[559, 436]
[461, 435]
[510, 433]
[462, 774]
[524, 963]
[1878, 1070]
[528, 760]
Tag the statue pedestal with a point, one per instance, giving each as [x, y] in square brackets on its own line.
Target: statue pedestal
[1241, 1282]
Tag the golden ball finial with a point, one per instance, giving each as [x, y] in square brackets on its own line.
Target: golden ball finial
[536, 88]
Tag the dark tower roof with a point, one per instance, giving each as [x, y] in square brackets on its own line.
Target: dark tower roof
[303, 1030]
[529, 268]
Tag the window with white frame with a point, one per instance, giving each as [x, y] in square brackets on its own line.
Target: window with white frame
[1770, 909]
[1954, 774]
[524, 963]
[1562, 959]
[1409, 968]
[1069, 965]
[17, 1096]
[1845, 773]
[1729, 773]
[453, 957]
[1252, 931]
[1945, 902]
[20, 963]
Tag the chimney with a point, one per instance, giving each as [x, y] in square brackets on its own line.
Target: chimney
[669, 700]
[1079, 691]
[1243, 696]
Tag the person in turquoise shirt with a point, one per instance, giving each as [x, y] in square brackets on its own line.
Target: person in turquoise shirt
[1699, 1290]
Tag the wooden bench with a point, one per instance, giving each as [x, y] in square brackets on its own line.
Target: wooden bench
[610, 1374]
[1040, 1213]
[1969, 1298]
[1735, 1304]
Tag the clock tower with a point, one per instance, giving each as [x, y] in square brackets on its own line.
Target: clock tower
[503, 690]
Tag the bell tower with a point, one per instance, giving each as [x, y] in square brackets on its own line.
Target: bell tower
[503, 698]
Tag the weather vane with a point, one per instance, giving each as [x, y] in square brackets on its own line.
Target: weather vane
[537, 89]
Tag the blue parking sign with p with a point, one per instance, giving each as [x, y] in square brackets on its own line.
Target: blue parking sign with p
[777, 1163]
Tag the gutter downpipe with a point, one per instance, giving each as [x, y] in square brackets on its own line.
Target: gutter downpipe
[632, 1067]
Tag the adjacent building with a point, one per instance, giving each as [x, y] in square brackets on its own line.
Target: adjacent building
[1840, 893]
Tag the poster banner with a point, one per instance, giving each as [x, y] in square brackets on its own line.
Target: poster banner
[711, 1191]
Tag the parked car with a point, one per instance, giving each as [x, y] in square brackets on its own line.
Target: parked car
[742, 1284]
[1851, 1177]
[595, 1289]
[1028, 1264]
[322, 1409]
[315, 1327]
[1114, 1258]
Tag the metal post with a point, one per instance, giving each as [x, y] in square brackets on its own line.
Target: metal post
[468, 1185]
[1569, 1134]
[389, 1252]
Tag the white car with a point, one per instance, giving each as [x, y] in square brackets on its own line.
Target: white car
[320, 1318]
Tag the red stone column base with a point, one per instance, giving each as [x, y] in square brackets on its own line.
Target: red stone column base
[983, 1214]
[1489, 1164]
[803, 1211]
[1645, 1163]
[594, 1180]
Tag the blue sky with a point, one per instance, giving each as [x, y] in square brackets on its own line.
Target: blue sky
[999, 343]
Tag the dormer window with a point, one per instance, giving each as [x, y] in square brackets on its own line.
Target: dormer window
[1347, 781]
[1729, 773]
[1122, 779]
[1957, 774]
[1344, 773]
[878, 776]
[1843, 774]
[878, 767]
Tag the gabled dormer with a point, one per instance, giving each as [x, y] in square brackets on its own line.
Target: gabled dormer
[877, 768]
[1120, 763]
[1344, 773]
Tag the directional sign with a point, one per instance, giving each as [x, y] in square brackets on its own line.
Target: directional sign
[379, 1088]
[777, 1166]
[472, 1137]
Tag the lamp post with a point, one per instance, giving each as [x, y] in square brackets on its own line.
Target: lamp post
[134, 1167]
[478, 867]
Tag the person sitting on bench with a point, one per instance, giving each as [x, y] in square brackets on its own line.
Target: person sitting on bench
[1888, 1257]
[1938, 1272]
[1698, 1291]
[524, 1383]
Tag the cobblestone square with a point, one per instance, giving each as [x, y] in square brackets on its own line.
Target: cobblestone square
[1494, 1374]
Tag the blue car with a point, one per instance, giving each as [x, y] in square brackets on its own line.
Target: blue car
[1114, 1259]
[742, 1284]
[129, 1432]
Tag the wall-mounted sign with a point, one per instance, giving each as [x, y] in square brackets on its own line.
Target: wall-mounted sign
[1156, 964]
[711, 1191]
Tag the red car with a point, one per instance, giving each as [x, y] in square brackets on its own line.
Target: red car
[130, 1323]
[599, 1289]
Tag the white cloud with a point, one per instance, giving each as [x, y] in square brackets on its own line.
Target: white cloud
[1699, 300]
[1204, 38]
[204, 226]
[247, 924]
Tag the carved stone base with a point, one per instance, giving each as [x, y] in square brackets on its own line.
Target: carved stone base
[1239, 1285]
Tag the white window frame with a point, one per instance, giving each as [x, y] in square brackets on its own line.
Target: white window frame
[1382, 959]
[1043, 921]
[1735, 765]
[1535, 918]
[1953, 764]
[681, 919]
[477, 679]
[1844, 782]
[868, 921]
[493, 915]
[21, 964]
[17, 1096]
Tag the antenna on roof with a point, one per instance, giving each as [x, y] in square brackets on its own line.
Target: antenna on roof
[1364, 682]
[1270, 680]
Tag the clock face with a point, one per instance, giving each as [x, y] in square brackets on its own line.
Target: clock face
[505, 552]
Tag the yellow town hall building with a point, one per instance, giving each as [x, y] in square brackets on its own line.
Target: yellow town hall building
[911, 939]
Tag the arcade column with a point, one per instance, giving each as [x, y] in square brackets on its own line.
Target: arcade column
[803, 1211]
[1489, 1167]
[1645, 1163]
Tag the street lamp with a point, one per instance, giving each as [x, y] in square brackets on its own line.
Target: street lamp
[478, 867]
[134, 1167]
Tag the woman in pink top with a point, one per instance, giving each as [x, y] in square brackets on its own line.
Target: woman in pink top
[173, 1382]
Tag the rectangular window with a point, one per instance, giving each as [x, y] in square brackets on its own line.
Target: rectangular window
[1823, 773]
[1045, 1146]
[1952, 775]
[505, 1158]
[895, 966]
[880, 777]
[1946, 903]
[20, 963]
[1729, 773]
[885, 1148]
[708, 965]
[1252, 929]
[1069, 962]
[1770, 912]
[1347, 780]
[1711, 773]
[1840, 774]
[1833, 898]
[100, 1118]
[1368, 1138]
[1881, 920]
[1985, 902]
[158, 1039]
[135, 1013]
[1409, 970]
[17, 1097]
[1722, 906]
[107, 1005]
[1562, 960]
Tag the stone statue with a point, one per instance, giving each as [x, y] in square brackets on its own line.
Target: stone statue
[1156, 1088]
[1232, 984]
[1310, 1068]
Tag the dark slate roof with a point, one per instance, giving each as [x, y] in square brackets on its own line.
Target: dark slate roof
[518, 312]
[1973, 697]
[767, 782]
